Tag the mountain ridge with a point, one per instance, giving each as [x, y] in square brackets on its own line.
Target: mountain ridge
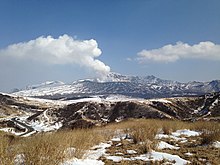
[132, 86]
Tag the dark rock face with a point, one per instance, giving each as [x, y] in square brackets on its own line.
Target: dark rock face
[79, 124]
[12, 125]
[126, 110]
[5, 99]
[9, 100]
[102, 113]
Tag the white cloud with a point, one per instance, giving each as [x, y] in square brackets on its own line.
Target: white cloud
[61, 50]
[171, 53]
[128, 59]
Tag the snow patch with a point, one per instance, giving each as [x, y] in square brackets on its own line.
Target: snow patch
[163, 145]
[29, 134]
[186, 132]
[11, 130]
[161, 136]
[19, 159]
[119, 144]
[161, 100]
[90, 157]
[216, 144]
[115, 158]
[44, 127]
[116, 139]
[97, 151]
[188, 154]
[176, 135]
[131, 152]
[214, 104]
[158, 156]
[83, 162]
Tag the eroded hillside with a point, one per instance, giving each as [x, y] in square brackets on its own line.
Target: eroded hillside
[28, 115]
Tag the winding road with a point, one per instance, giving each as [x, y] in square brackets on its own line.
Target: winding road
[27, 127]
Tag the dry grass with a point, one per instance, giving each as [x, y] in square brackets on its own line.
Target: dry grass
[53, 148]
[144, 136]
[210, 131]
[165, 125]
[43, 149]
[49, 148]
[210, 136]
[171, 126]
[205, 125]
[6, 110]
[142, 133]
[7, 149]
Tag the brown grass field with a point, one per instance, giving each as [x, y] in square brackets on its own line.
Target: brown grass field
[52, 148]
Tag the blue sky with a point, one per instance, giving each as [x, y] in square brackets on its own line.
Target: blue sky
[122, 30]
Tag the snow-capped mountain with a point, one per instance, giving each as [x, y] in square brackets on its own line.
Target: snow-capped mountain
[133, 86]
[45, 84]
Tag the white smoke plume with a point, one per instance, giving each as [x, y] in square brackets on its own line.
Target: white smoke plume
[61, 50]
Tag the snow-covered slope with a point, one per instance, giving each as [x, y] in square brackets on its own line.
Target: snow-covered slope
[45, 84]
[133, 86]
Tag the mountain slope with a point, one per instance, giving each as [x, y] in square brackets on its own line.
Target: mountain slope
[45, 84]
[29, 115]
[205, 107]
[133, 86]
